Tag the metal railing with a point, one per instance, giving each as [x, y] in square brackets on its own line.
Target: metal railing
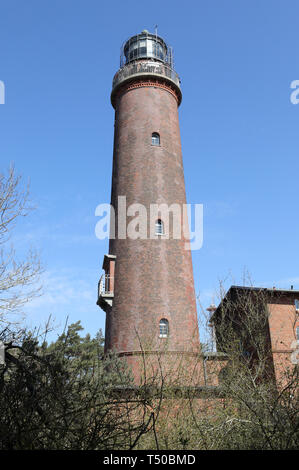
[106, 285]
[145, 68]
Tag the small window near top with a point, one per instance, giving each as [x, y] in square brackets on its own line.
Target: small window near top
[155, 138]
[164, 328]
[297, 305]
[159, 226]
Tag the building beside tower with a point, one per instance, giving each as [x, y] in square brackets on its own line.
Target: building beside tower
[260, 319]
[147, 289]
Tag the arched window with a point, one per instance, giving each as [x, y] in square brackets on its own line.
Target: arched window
[159, 226]
[155, 138]
[164, 328]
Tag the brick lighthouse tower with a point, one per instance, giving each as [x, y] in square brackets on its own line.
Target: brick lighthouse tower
[147, 289]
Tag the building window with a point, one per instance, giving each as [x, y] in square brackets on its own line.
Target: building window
[155, 138]
[164, 328]
[297, 305]
[297, 334]
[159, 227]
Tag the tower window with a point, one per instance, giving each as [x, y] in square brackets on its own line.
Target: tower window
[159, 227]
[297, 305]
[164, 328]
[297, 334]
[155, 138]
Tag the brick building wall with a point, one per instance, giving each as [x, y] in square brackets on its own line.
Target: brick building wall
[283, 323]
[153, 277]
[281, 327]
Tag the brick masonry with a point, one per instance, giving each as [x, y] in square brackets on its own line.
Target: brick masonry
[153, 278]
[283, 322]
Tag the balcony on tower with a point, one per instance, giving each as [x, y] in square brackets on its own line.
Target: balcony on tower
[146, 56]
[106, 284]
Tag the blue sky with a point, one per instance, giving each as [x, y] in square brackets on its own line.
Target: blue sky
[239, 131]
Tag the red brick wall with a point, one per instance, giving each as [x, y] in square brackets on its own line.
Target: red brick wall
[176, 368]
[153, 278]
[283, 321]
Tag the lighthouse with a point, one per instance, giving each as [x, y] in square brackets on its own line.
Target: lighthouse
[147, 286]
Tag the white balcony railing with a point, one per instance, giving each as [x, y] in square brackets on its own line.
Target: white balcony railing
[106, 285]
